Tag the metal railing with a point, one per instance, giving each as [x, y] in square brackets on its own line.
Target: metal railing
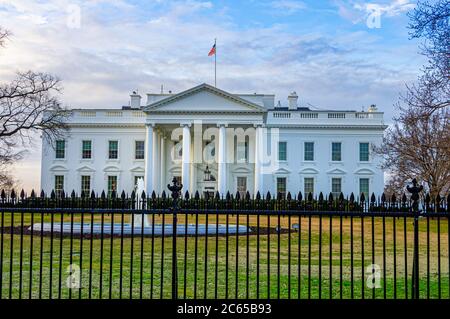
[231, 247]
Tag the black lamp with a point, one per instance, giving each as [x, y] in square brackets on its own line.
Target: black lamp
[207, 174]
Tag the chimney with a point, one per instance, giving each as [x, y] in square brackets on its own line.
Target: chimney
[135, 100]
[372, 108]
[292, 101]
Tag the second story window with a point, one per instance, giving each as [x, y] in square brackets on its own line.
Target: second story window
[60, 149]
[282, 151]
[139, 150]
[86, 149]
[113, 151]
[336, 151]
[309, 151]
[363, 152]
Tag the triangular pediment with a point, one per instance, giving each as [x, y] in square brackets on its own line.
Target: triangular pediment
[204, 98]
[337, 171]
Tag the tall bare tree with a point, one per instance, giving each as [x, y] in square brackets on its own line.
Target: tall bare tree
[418, 147]
[29, 106]
[430, 21]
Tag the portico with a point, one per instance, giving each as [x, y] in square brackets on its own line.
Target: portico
[199, 129]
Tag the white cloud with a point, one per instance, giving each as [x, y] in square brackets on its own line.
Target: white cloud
[288, 6]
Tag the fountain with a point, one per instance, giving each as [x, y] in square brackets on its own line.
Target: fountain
[138, 217]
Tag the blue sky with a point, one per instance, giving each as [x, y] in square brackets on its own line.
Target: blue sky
[324, 50]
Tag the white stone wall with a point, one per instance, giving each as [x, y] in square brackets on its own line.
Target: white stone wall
[99, 167]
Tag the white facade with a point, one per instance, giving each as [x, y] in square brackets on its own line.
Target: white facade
[247, 143]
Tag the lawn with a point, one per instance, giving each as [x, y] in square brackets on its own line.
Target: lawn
[319, 261]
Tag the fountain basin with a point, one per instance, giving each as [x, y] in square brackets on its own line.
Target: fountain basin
[126, 229]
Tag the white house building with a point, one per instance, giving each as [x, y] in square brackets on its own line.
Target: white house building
[212, 140]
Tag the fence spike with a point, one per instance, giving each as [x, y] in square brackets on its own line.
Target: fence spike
[217, 195]
[143, 195]
[268, 196]
[52, 195]
[42, 195]
[330, 197]
[153, 195]
[3, 195]
[299, 196]
[372, 198]
[92, 194]
[122, 196]
[197, 195]
[289, 197]
[258, 195]
[404, 198]
[73, 193]
[352, 198]
[133, 194]
[393, 198]
[186, 195]
[103, 195]
[310, 197]
[22, 194]
[228, 196]
[238, 196]
[247, 196]
[163, 194]
[362, 198]
[341, 197]
[383, 198]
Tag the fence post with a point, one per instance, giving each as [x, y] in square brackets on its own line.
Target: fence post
[175, 189]
[415, 190]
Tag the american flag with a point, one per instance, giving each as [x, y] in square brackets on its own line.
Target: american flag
[213, 50]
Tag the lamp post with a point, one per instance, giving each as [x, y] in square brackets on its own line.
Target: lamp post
[175, 189]
[415, 190]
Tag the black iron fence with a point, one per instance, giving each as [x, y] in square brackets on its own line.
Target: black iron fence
[138, 246]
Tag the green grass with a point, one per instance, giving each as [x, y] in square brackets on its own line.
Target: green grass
[155, 272]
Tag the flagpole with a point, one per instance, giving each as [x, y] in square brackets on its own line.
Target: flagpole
[215, 64]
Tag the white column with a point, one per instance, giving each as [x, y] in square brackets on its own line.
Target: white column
[155, 160]
[163, 164]
[258, 158]
[186, 158]
[148, 159]
[222, 166]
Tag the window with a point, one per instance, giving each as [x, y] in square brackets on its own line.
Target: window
[364, 187]
[282, 151]
[363, 152]
[242, 152]
[242, 185]
[281, 186]
[85, 185]
[309, 151]
[86, 151]
[59, 184]
[336, 186]
[336, 151]
[112, 184]
[309, 185]
[60, 149]
[139, 150]
[113, 150]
